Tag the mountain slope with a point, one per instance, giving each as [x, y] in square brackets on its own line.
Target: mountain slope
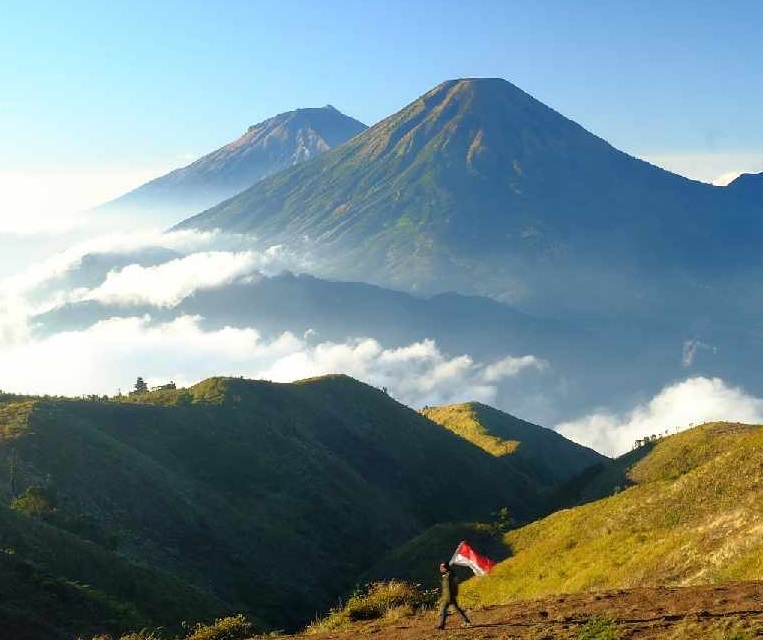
[266, 148]
[258, 497]
[54, 584]
[539, 450]
[749, 185]
[480, 188]
[693, 515]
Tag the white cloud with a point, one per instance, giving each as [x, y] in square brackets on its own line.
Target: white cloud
[689, 351]
[59, 263]
[112, 353]
[169, 283]
[417, 374]
[512, 366]
[693, 401]
[210, 259]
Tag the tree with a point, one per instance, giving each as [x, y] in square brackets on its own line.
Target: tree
[503, 520]
[37, 501]
[140, 385]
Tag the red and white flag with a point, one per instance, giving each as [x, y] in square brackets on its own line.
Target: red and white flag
[465, 556]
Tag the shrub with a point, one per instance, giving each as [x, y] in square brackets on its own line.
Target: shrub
[36, 501]
[394, 599]
[599, 628]
[230, 628]
[143, 634]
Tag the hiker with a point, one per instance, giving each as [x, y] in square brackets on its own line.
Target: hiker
[448, 595]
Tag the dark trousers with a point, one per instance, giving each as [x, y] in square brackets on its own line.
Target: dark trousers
[444, 610]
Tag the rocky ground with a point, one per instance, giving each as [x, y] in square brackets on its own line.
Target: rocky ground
[719, 612]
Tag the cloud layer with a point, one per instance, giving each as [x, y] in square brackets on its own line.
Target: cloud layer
[167, 284]
[676, 407]
[111, 354]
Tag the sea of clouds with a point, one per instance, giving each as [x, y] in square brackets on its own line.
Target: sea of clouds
[106, 358]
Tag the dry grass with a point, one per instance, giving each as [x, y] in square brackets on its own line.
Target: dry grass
[392, 600]
[693, 518]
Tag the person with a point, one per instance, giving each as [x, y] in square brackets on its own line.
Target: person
[448, 595]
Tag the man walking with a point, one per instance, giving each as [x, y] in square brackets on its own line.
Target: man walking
[448, 594]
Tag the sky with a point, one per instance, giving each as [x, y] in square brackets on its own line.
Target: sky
[98, 97]
[132, 89]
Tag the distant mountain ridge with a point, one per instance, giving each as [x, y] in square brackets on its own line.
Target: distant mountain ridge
[478, 187]
[274, 144]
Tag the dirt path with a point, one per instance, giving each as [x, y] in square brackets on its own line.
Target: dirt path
[680, 613]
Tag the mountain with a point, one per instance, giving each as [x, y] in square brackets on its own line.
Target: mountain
[266, 148]
[478, 187]
[232, 495]
[685, 512]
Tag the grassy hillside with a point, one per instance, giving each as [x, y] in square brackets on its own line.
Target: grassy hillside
[544, 454]
[693, 515]
[54, 585]
[265, 498]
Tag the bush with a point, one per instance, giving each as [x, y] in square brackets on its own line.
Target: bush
[230, 628]
[599, 628]
[36, 501]
[394, 599]
[144, 634]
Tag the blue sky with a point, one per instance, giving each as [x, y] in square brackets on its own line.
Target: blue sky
[138, 86]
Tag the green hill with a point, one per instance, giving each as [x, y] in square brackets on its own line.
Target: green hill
[692, 515]
[232, 495]
[54, 584]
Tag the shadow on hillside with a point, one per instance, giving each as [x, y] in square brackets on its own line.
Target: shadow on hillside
[598, 481]
[418, 559]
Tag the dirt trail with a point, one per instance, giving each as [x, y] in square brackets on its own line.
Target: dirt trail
[647, 613]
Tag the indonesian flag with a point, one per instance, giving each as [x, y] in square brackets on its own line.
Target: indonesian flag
[465, 556]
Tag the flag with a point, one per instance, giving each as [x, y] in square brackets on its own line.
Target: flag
[465, 556]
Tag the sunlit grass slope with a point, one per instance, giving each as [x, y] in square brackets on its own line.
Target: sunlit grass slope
[693, 515]
[543, 453]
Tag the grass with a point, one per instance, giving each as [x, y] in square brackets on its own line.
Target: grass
[730, 628]
[542, 459]
[393, 600]
[694, 516]
[463, 419]
[599, 628]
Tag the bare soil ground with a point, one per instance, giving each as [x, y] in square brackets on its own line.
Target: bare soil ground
[720, 612]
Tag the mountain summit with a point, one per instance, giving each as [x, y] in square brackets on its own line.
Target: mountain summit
[476, 186]
[277, 143]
